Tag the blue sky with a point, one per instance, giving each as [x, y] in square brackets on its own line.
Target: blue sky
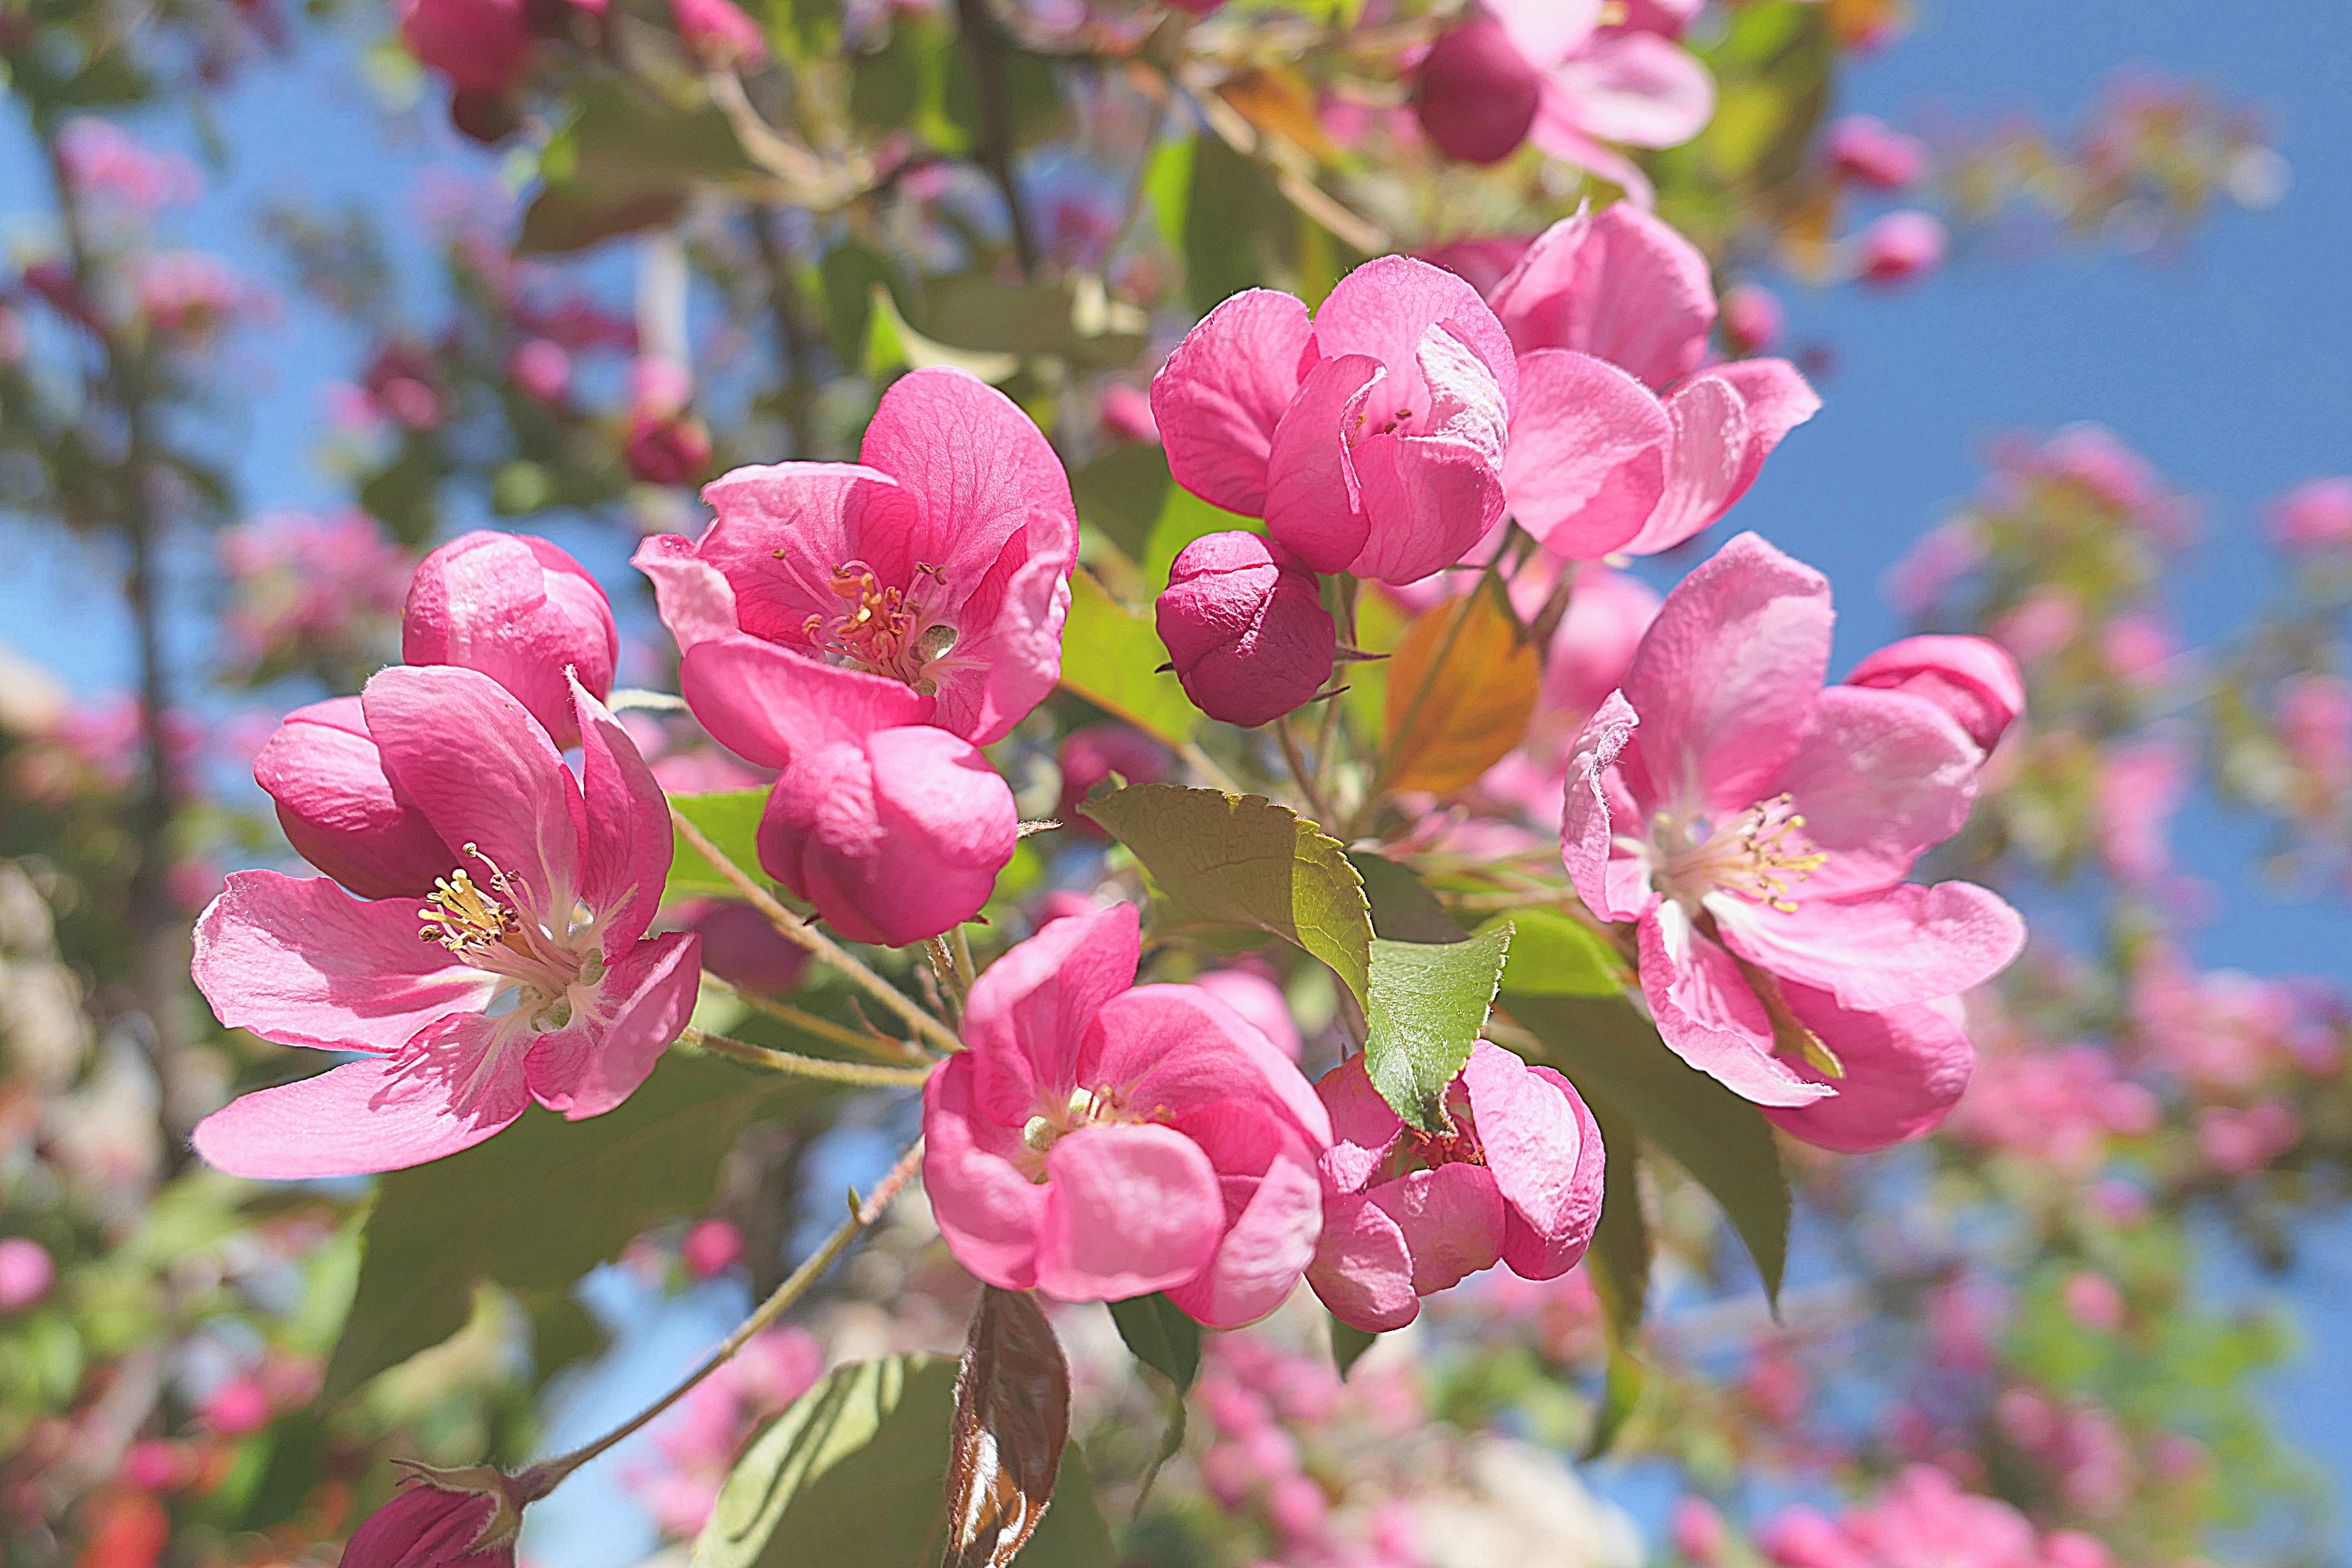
[2231, 367]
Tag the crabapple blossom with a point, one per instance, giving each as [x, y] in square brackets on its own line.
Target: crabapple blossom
[940, 560]
[1923, 1517]
[1973, 680]
[442, 1519]
[26, 1272]
[1755, 828]
[1900, 247]
[2316, 516]
[1244, 622]
[520, 609]
[1515, 1179]
[1092, 752]
[523, 974]
[1258, 999]
[1100, 1140]
[1753, 319]
[1865, 150]
[718, 35]
[339, 809]
[1476, 93]
[1369, 437]
[662, 442]
[480, 45]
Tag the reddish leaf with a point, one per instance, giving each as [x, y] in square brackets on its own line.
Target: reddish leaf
[1012, 1417]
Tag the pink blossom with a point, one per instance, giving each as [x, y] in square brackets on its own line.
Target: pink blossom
[189, 292]
[661, 440]
[1244, 622]
[1089, 756]
[1099, 1140]
[718, 35]
[2093, 1299]
[520, 611]
[2137, 646]
[1944, 554]
[1481, 263]
[1699, 1532]
[1515, 1180]
[106, 163]
[1865, 150]
[940, 560]
[551, 939]
[741, 947]
[26, 1272]
[1971, 679]
[1756, 827]
[2240, 1142]
[1899, 247]
[1548, 70]
[1753, 319]
[460, 1518]
[2044, 624]
[401, 382]
[1590, 655]
[1127, 414]
[1919, 1519]
[698, 1441]
[1258, 999]
[2139, 788]
[2316, 516]
[1605, 310]
[237, 1407]
[2059, 1108]
[480, 45]
[2315, 727]
[711, 1246]
[340, 807]
[1370, 438]
[307, 586]
[541, 369]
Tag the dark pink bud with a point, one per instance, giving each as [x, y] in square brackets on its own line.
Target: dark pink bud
[480, 45]
[519, 611]
[666, 449]
[1244, 621]
[443, 1519]
[1900, 247]
[711, 1246]
[1867, 150]
[896, 836]
[741, 948]
[339, 808]
[1752, 318]
[1476, 94]
[1093, 754]
[718, 35]
[26, 1272]
[541, 370]
[1974, 681]
[237, 1407]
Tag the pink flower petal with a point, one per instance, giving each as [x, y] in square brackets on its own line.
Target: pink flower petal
[987, 1210]
[628, 843]
[1587, 462]
[1545, 1151]
[1725, 678]
[656, 982]
[1707, 1015]
[1879, 777]
[1905, 1069]
[1905, 943]
[1174, 1047]
[1429, 501]
[1705, 460]
[1364, 1126]
[1029, 1012]
[1386, 308]
[339, 810]
[1129, 1210]
[301, 963]
[780, 531]
[1778, 399]
[1620, 285]
[1610, 886]
[768, 704]
[484, 773]
[1223, 391]
[355, 1119]
[1638, 89]
[1312, 501]
[1451, 1219]
[694, 598]
[1361, 1271]
[1273, 1212]
[1559, 131]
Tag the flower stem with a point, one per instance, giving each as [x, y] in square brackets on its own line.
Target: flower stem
[862, 1215]
[1300, 773]
[805, 1066]
[800, 932]
[950, 980]
[821, 1028]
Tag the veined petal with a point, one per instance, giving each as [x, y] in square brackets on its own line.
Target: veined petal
[1177, 1046]
[977, 472]
[768, 706]
[1619, 284]
[1361, 1271]
[1221, 394]
[1386, 309]
[1559, 131]
[1273, 1212]
[302, 963]
[485, 775]
[1544, 1148]
[352, 1120]
[1705, 462]
[1428, 499]
[628, 845]
[779, 533]
[1905, 1067]
[988, 1212]
[339, 808]
[1004, 667]
[1586, 829]
[1778, 399]
[1707, 1015]
[1364, 1127]
[1029, 1013]
[645, 999]
[1312, 506]
[1546, 31]
[1451, 1219]
[693, 597]
[1879, 777]
[1638, 89]
[1908, 943]
[1129, 1210]
[1587, 462]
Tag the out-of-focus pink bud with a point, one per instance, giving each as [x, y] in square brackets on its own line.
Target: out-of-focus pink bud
[520, 611]
[480, 45]
[1092, 754]
[1867, 150]
[153, 1465]
[1899, 247]
[339, 808]
[2092, 1299]
[718, 35]
[1244, 621]
[895, 837]
[541, 370]
[1752, 318]
[1973, 680]
[741, 948]
[237, 1407]
[26, 1272]
[1197, 7]
[2316, 516]
[1127, 414]
[444, 1518]
[1699, 1531]
[711, 1246]
[1476, 93]
[663, 444]
[1259, 1000]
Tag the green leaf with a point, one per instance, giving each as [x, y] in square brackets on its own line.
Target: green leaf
[1162, 1336]
[1123, 493]
[1403, 909]
[1619, 1264]
[1168, 183]
[854, 1475]
[1348, 1346]
[730, 821]
[1074, 318]
[627, 160]
[1428, 1003]
[538, 1206]
[847, 276]
[1241, 859]
[1240, 231]
[1613, 1053]
[1555, 954]
[1183, 518]
[1112, 657]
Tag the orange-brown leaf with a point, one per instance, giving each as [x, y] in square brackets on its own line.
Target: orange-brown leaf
[1279, 103]
[1461, 689]
[1012, 1417]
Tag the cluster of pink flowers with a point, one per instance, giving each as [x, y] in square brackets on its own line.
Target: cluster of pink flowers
[1919, 1518]
[107, 164]
[310, 590]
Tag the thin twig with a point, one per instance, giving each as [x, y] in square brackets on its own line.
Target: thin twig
[1300, 773]
[943, 973]
[793, 1062]
[546, 1475]
[984, 42]
[800, 932]
[823, 1028]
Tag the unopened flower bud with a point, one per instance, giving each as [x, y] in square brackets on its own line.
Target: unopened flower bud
[338, 808]
[1900, 247]
[1974, 681]
[1089, 755]
[1245, 624]
[519, 611]
[444, 1518]
[1867, 150]
[1476, 93]
[717, 34]
[26, 1272]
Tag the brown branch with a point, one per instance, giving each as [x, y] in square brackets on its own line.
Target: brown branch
[987, 43]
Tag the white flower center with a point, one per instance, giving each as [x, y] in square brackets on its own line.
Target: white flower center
[1761, 854]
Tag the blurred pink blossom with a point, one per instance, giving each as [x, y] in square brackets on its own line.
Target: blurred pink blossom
[2316, 516]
